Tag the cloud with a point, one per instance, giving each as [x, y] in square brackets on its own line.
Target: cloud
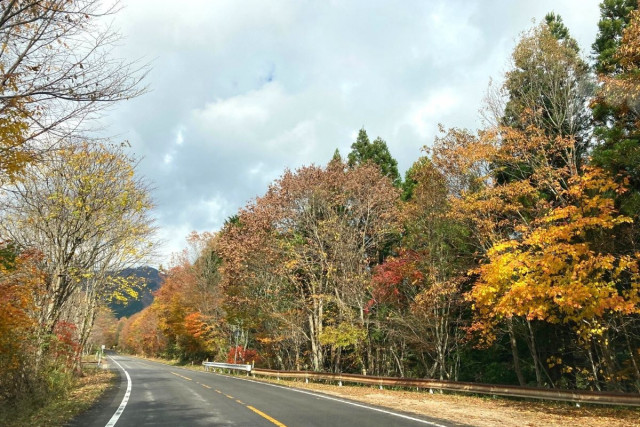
[241, 90]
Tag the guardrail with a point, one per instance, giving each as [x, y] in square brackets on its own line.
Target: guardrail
[602, 398]
[209, 365]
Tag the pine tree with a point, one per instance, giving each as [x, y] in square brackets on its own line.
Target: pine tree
[615, 120]
[363, 151]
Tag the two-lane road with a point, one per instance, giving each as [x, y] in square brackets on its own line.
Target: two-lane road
[154, 394]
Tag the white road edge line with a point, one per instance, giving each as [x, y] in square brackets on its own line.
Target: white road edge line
[407, 417]
[125, 399]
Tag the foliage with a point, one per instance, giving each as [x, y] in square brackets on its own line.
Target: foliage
[57, 71]
[554, 272]
[89, 214]
[363, 151]
[549, 85]
[614, 17]
[617, 113]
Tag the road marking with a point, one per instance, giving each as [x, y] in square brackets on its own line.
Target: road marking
[125, 399]
[230, 397]
[263, 415]
[182, 376]
[218, 391]
[240, 402]
[395, 414]
[205, 386]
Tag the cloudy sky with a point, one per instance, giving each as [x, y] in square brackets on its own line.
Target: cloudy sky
[241, 90]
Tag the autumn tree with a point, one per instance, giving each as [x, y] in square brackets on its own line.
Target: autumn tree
[326, 227]
[142, 334]
[104, 331]
[549, 85]
[498, 181]
[188, 305]
[20, 279]
[87, 213]
[57, 71]
[561, 270]
[445, 257]
[186, 319]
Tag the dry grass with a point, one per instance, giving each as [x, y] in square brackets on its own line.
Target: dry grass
[86, 391]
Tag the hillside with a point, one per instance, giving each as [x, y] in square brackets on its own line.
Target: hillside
[152, 281]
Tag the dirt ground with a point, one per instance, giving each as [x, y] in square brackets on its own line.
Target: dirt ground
[481, 411]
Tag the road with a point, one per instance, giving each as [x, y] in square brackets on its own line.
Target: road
[154, 394]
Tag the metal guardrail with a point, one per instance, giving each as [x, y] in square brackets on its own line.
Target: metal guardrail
[208, 365]
[602, 398]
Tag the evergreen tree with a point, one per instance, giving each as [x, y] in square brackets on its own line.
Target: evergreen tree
[336, 156]
[615, 118]
[411, 178]
[560, 31]
[614, 17]
[363, 151]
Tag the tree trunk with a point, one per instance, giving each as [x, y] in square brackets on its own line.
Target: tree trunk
[514, 352]
[534, 354]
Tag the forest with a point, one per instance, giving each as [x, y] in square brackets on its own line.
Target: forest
[505, 255]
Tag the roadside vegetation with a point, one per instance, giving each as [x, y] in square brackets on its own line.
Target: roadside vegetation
[81, 394]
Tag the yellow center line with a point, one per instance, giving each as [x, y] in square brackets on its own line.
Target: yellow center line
[263, 415]
[257, 411]
[181, 376]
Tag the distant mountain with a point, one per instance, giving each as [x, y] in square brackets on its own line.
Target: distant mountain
[152, 281]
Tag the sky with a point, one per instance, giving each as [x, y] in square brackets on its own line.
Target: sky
[240, 90]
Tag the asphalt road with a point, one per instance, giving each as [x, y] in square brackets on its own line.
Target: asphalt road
[154, 394]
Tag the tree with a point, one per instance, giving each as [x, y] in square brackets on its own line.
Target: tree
[56, 71]
[616, 108]
[87, 213]
[561, 270]
[306, 250]
[549, 85]
[445, 258]
[363, 151]
[614, 17]
[20, 279]
[189, 303]
[498, 181]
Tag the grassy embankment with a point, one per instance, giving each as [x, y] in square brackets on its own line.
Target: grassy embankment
[80, 394]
